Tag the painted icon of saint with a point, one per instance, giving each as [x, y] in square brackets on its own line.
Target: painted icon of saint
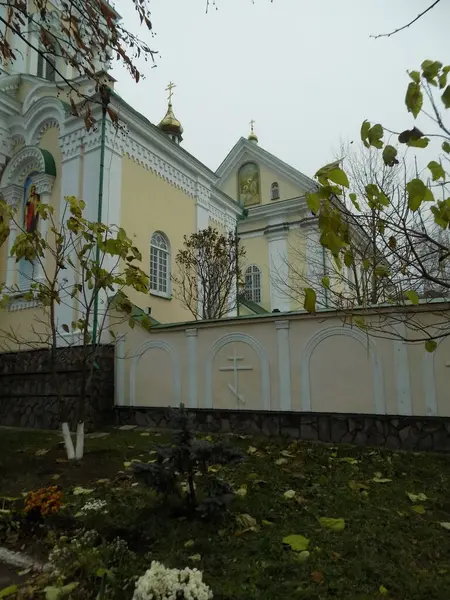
[31, 210]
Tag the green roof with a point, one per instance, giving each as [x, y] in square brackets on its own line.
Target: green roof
[49, 162]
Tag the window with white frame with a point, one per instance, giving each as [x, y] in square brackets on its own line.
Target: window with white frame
[275, 191]
[159, 264]
[253, 283]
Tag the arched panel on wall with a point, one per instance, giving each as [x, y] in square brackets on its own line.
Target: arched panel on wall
[175, 377]
[42, 114]
[379, 404]
[264, 363]
[249, 184]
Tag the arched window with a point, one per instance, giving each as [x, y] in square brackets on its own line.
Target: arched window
[253, 283]
[159, 264]
[30, 223]
[275, 190]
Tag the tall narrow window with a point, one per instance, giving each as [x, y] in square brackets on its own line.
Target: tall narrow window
[46, 60]
[253, 284]
[275, 191]
[159, 264]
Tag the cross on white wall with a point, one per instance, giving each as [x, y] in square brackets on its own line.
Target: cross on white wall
[236, 368]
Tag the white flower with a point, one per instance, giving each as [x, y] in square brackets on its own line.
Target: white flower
[94, 506]
[161, 583]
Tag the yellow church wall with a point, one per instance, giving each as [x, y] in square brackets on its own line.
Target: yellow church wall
[26, 328]
[296, 251]
[267, 177]
[257, 253]
[149, 204]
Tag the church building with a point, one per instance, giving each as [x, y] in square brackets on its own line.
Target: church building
[151, 186]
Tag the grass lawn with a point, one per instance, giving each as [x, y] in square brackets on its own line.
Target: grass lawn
[392, 546]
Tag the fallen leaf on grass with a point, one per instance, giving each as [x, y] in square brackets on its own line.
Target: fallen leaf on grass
[242, 491]
[357, 487]
[195, 557]
[61, 460]
[286, 453]
[296, 542]
[55, 477]
[289, 494]
[416, 497]
[251, 450]
[445, 525]
[8, 591]
[333, 524]
[281, 461]
[419, 509]
[79, 491]
[102, 481]
[348, 459]
[317, 576]
[381, 480]
[127, 427]
[269, 523]
[302, 557]
[383, 590]
[4, 511]
[41, 452]
[189, 544]
[145, 434]
[246, 523]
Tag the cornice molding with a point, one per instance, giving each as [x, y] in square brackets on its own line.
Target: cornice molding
[12, 194]
[43, 183]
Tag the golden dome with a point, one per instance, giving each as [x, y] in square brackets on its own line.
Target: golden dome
[252, 136]
[170, 124]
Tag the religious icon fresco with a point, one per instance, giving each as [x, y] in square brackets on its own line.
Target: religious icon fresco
[31, 201]
[249, 184]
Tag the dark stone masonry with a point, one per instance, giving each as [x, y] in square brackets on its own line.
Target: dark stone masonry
[405, 433]
[27, 393]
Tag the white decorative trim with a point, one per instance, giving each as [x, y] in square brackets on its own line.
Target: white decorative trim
[70, 144]
[175, 376]
[264, 366]
[284, 364]
[429, 383]
[379, 404]
[402, 379]
[278, 269]
[119, 371]
[43, 183]
[12, 194]
[28, 159]
[192, 362]
[21, 304]
[48, 123]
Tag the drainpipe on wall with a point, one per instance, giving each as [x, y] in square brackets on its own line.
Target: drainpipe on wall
[106, 95]
[324, 261]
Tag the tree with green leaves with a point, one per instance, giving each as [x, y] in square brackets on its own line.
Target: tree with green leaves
[80, 264]
[348, 284]
[207, 269]
[413, 225]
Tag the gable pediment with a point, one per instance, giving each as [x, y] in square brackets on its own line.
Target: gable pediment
[246, 151]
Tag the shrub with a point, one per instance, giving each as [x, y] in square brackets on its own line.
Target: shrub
[162, 583]
[94, 565]
[43, 502]
[177, 464]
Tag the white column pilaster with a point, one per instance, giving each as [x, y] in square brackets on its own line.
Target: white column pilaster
[192, 363]
[13, 195]
[278, 267]
[284, 365]
[119, 386]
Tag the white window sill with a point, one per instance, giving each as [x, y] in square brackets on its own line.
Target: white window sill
[161, 294]
[18, 301]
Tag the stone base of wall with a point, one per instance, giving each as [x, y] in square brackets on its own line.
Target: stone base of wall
[390, 431]
[27, 390]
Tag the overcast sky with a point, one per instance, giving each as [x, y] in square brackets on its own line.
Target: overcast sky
[306, 71]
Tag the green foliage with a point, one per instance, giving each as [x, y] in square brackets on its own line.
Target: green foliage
[372, 135]
[414, 98]
[310, 300]
[208, 266]
[437, 171]
[88, 567]
[176, 466]
[390, 156]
